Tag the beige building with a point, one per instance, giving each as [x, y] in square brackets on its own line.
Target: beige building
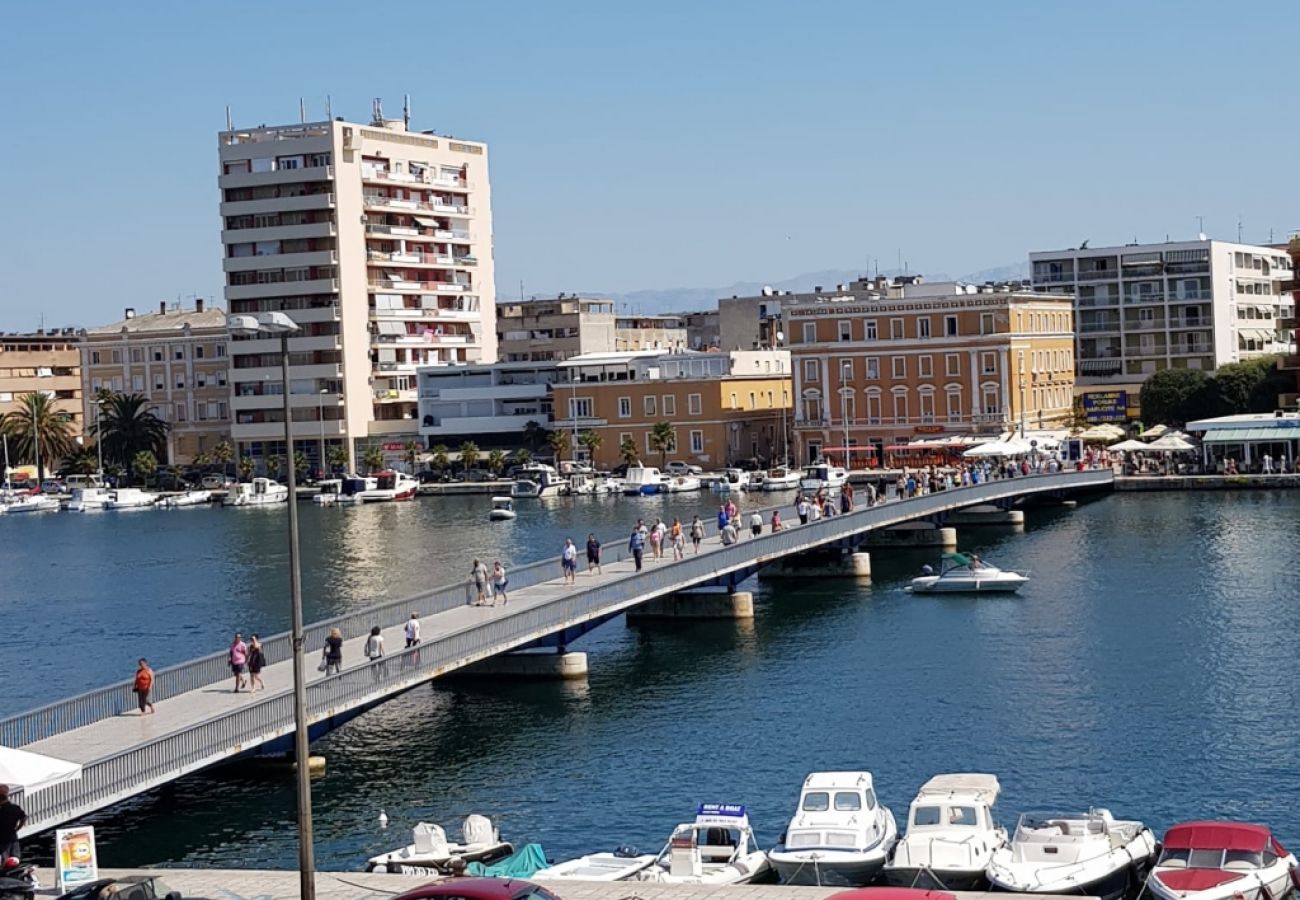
[664, 332]
[175, 357]
[875, 369]
[47, 362]
[554, 329]
[377, 240]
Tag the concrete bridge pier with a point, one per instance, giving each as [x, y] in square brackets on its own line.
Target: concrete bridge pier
[696, 603]
[836, 563]
[531, 665]
[913, 534]
[988, 515]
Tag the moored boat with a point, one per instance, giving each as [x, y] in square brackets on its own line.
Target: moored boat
[389, 487]
[642, 480]
[29, 503]
[538, 480]
[717, 848]
[622, 864]
[1222, 861]
[258, 492]
[129, 498]
[189, 498]
[327, 491]
[822, 476]
[677, 484]
[966, 573]
[840, 833]
[950, 835]
[430, 853]
[85, 499]
[779, 479]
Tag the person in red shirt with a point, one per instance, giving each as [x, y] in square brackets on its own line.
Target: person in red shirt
[142, 686]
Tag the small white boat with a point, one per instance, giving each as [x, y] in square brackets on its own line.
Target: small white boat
[189, 498]
[327, 491]
[129, 498]
[258, 492]
[1088, 853]
[583, 483]
[30, 503]
[1222, 861]
[85, 499]
[642, 480]
[610, 485]
[965, 573]
[538, 480]
[621, 865]
[779, 479]
[840, 835]
[950, 835]
[389, 487]
[502, 508]
[717, 848]
[822, 476]
[678, 484]
[431, 854]
[731, 480]
[353, 488]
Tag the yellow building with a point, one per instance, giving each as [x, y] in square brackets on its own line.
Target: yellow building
[44, 362]
[879, 366]
[723, 408]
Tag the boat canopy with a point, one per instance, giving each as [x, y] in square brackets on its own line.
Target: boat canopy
[959, 559]
[1221, 836]
[523, 863]
[964, 785]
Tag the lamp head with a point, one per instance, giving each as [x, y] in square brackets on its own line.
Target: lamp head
[276, 323]
[242, 326]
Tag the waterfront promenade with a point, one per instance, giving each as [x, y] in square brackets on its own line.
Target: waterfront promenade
[200, 721]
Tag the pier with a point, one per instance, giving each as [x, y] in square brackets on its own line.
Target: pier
[200, 722]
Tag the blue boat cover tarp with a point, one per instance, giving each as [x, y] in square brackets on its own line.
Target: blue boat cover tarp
[523, 863]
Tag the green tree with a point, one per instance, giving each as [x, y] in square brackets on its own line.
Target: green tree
[38, 432]
[273, 466]
[301, 465]
[558, 441]
[1248, 386]
[83, 461]
[590, 442]
[496, 462]
[128, 425]
[411, 452]
[1174, 396]
[338, 456]
[373, 459]
[144, 464]
[534, 436]
[201, 459]
[523, 456]
[628, 453]
[663, 440]
[468, 455]
[223, 454]
[441, 461]
[246, 468]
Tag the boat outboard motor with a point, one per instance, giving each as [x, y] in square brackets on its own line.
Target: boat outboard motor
[17, 880]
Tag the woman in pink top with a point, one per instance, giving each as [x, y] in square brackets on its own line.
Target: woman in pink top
[238, 661]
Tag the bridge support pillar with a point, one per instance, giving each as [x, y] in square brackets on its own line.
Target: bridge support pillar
[531, 666]
[913, 534]
[836, 565]
[696, 603]
[988, 515]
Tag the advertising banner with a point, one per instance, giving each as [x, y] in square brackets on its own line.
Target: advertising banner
[75, 857]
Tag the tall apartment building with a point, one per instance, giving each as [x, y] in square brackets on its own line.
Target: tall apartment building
[554, 329]
[1141, 308]
[43, 362]
[1292, 361]
[488, 404]
[377, 240]
[174, 357]
[875, 369]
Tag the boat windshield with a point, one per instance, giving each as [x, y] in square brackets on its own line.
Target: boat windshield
[924, 816]
[1211, 859]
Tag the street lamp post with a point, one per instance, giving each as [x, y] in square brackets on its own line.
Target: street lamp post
[1022, 395]
[320, 414]
[846, 372]
[99, 438]
[272, 324]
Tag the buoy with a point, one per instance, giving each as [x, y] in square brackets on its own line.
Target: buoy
[383, 819]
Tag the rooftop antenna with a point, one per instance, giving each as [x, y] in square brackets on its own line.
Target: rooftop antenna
[229, 127]
[377, 110]
[302, 112]
[1238, 229]
[406, 111]
[329, 108]
[1200, 224]
[521, 290]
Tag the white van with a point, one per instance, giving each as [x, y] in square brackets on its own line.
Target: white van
[72, 482]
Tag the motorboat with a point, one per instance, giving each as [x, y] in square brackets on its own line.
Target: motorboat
[1089, 853]
[129, 498]
[583, 483]
[1222, 861]
[966, 573]
[643, 480]
[779, 479]
[390, 487]
[717, 848]
[502, 508]
[429, 852]
[610, 485]
[27, 503]
[678, 484]
[327, 491]
[258, 492]
[538, 480]
[85, 499]
[189, 498]
[731, 480]
[623, 864]
[353, 488]
[822, 476]
[950, 834]
[840, 834]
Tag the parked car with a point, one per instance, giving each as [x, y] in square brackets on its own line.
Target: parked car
[677, 467]
[166, 481]
[474, 475]
[214, 482]
[52, 486]
[431, 476]
[479, 889]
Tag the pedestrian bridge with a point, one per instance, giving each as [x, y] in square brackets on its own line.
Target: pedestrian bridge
[200, 722]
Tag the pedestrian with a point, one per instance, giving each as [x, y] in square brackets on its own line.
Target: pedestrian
[677, 539]
[569, 561]
[756, 523]
[1268, 464]
[499, 583]
[12, 820]
[776, 521]
[412, 630]
[256, 662]
[729, 535]
[723, 518]
[697, 532]
[593, 554]
[479, 575]
[803, 508]
[636, 544]
[142, 685]
[237, 656]
[732, 512]
[656, 548]
[333, 652]
[374, 644]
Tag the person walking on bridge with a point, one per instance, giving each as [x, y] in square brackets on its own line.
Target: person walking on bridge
[479, 575]
[499, 583]
[569, 561]
[697, 533]
[636, 545]
[256, 663]
[412, 630]
[238, 658]
[334, 652]
[142, 685]
[593, 554]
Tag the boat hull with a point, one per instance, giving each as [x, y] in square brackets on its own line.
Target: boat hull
[1246, 886]
[840, 871]
[934, 584]
[1109, 886]
[937, 879]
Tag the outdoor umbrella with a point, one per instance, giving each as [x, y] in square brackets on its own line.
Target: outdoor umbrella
[33, 772]
[1130, 445]
[1172, 443]
[1154, 432]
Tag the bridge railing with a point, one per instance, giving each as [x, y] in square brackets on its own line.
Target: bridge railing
[112, 700]
[130, 771]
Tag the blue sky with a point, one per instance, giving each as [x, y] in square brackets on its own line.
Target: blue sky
[654, 145]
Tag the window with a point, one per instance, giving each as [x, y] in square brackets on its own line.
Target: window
[896, 329]
[221, 380]
[873, 408]
[94, 357]
[180, 382]
[735, 402]
[952, 364]
[200, 379]
[950, 326]
[986, 323]
[926, 815]
[670, 405]
[137, 383]
[900, 408]
[810, 332]
[846, 331]
[990, 400]
[221, 350]
[178, 353]
[954, 404]
[873, 368]
[180, 412]
[846, 370]
[871, 329]
[625, 407]
[579, 407]
[137, 354]
[158, 382]
[927, 406]
[816, 801]
[753, 400]
[648, 404]
[898, 366]
[697, 442]
[811, 371]
[198, 351]
[156, 353]
[624, 437]
[925, 366]
[116, 357]
[847, 801]
[923, 327]
[989, 363]
[694, 404]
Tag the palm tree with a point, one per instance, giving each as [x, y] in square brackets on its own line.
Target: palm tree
[523, 456]
[338, 456]
[590, 442]
[37, 431]
[440, 459]
[128, 425]
[627, 452]
[273, 467]
[84, 461]
[534, 435]
[558, 441]
[223, 454]
[301, 465]
[144, 464]
[411, 452]
[246, 468]
[496, 461]
[469, 454]
[373, 458]
[201, 459]
[663, 439]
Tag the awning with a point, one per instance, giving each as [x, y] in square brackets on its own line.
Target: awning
[391, 327]
[33, 772]
[426, 221]
[1261, 334]
[1241, 435]
[864, 448]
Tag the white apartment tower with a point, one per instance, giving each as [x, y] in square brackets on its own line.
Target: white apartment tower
[1183, 304]
[377, 240]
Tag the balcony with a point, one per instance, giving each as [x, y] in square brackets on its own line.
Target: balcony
[1144, 325]
[1092, 327]
[1145, 297]
[268, 205]
[279, 232]
[384, 176]
[1052, 277]
[281, 289]
[1100, 367]
[272, 373]
[1095, 301]
[494, 424]
[1188, 322]
[279, 176]
[1190, 296]
[411, 259]
[422, 339]
[1099, 275]
[280, 261]
[392, 395]
[434, 313]
[432, 287]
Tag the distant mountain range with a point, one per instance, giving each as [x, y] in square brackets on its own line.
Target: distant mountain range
[684, 299]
